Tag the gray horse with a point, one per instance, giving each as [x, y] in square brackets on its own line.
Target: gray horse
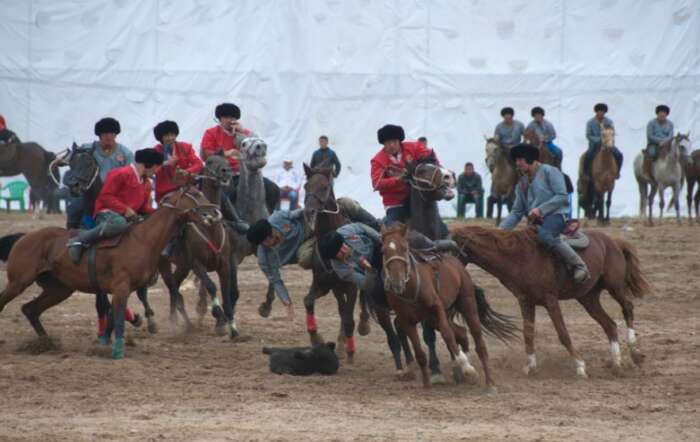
[668, 172]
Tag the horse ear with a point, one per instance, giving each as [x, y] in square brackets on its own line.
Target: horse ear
[307, 170]
[74, 146]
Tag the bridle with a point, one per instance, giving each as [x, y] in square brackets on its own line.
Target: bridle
[425, 184]
[191, 193]
[65, 160]
[409, 262]
[324, 202]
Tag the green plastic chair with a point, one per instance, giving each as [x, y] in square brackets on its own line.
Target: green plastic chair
[17, 189]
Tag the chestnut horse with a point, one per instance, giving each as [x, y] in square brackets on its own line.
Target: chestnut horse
[692, 176]
[41, 256]
[536, 278]
[417, 292]
[530, 137]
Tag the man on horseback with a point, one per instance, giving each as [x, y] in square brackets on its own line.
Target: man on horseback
[541, 196]
[659, 132]
[125, 194]
[178, 158]
[6, 135]
[545, 130]
[593, 134]
[509, 132]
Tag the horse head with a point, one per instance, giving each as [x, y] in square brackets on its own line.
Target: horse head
[319, 194]
[432, 181]
[681, 144]
[253, 153]
[83, 169]
[396, 260]
[607, 136]
[218, 169]
[493, 151]
[192, 205]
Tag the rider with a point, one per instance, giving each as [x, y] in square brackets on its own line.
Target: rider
[278, 240]
[541, 196]
[178, 157]
[545, 130]
[659, 131]
[509, 132]
[593, 134]
[388, 170]
[109, 155]
[6, 135]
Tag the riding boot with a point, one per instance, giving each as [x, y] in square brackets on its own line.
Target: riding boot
[352, 210]
[230, 214]
[447, 246]
[647, 166]
[83, 240]
[572, 260]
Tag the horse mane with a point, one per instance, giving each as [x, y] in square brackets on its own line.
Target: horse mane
[506, 241]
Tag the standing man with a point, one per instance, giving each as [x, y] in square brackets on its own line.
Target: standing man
[541, 196]
[659, 131]
[545, 130]
[593, 134]
[470, 190]
[325, 157]
[178, 157]
[509, 132]
[289, 181]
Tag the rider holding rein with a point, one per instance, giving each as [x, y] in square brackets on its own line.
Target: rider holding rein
[178, 158]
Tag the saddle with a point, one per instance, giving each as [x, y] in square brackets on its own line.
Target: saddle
[106, 243]
[573, 236]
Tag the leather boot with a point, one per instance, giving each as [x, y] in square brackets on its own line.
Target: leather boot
[80, 242]
[447, 246]
[573, 261]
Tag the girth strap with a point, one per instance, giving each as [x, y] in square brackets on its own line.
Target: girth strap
[92, 268]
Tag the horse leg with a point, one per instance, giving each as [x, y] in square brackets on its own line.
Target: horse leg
[177, 301]
[599, 211]
[14, 289]
[412, 332]
[230, 294]
[216, 311]
[689, 199]
[466, 306]
[662, 203]
[607, 207]
[119, 298]
[166, 274]
[462, 362]
[266, 307]
[697, 206]
[103, 309]
[591, 302]
[364, 328]
[554, 310]
[628, 312]
[309, 302]
[403, 339]
[142, 293]
[49, 297]
[650, 203]
[642, 199]
[676, 201]
[499, 208]
[430, 339]
[346, 308]
[527, 309]
[392, 339]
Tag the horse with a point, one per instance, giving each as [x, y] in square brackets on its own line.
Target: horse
[32, 161]
[322, 215]
[531, 137]
[537, 278]
[206, 246]
[503, 174]
[421, 291]
[41, 256]
[84, 181]
[692, 175]
[604, 173]
[667, 171]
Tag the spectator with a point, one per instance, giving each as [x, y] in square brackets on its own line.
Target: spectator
[470, 191]
[289, 182]
[325, 157]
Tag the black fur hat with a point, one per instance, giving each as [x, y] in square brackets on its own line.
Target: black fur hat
[165, 127]
[227, 110]
[149, 157]
[390, 132]
[260, 230]
[537, 110]
[527, 151]
[329, 245]
[107, 125]
[664, 108]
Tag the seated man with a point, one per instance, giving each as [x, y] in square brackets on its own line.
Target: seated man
[6, 135]
[470, 190]
[545, 130]
[541, 195]
[278, 239]
[659, 131]
[289, 181]
[509, 132]
[593, 134]
[125, 194]
[178, 157]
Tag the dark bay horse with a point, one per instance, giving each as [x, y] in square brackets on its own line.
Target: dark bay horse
[536, 278]
[421, 291]
[503, 175]
[530, 137]
[32, 161]
[41, 256]
[692, 176]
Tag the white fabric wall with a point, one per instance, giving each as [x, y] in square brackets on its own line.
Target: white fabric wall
[300, 68]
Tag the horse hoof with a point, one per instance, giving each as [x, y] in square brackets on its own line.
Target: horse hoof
[491, 390]
[218, 313]
[637, 356]
[616, 370]
[118, 348]
[350, 358]
[264, 310]
[364, 328]
[438, 379]
[221, 330]
[458, 376]
[138, 321]
[471, 376]
[529, 370]
[152, 327]
[406, 375]
[316, 338]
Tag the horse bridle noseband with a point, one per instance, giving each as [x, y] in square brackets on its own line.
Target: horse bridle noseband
[410, 262]
[423, 184]
[324, 203]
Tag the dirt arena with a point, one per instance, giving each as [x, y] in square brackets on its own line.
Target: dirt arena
[199, 386]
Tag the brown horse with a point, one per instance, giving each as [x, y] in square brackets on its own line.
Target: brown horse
[604, 173]
[530, 137]
[41, 256]
[536, 278]
[692, 175]
[503, 174]
[416, 294]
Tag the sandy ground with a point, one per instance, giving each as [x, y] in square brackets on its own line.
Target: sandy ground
[198, 386]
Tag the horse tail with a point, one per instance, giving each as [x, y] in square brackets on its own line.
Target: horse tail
[635, 282]
[498, 325]
[6, 243]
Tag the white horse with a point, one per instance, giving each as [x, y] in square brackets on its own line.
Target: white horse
[667, 171]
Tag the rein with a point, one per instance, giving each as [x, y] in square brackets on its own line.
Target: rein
[410, 263]
[324, 203]
[205, 238]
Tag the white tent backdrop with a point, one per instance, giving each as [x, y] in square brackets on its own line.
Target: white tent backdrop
[302, 68]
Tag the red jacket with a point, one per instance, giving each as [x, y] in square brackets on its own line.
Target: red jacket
[122, 189]
[187, 160]
[385, 172]
[216, 138]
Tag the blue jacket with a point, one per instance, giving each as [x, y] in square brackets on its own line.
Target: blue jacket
[362, 240]
[658, 133]
[545, 130]
[120, 156]
[511, 135]
[593, 130]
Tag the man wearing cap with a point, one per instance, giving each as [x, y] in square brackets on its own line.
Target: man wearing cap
[109, 155]
[289, 181]
[593, 134]
[278, 239]
[178, 157]
[541, 196]
[509, 132]
[125, 194]
[545, 130]
[6, 135]
[659, 131]
[388, 167]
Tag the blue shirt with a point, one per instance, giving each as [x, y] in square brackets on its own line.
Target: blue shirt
[271, 259]
[362, 240]
[120, 156]
[658, 133]
[547, 191]
[544, 130]
[593, 133]
[509, 135]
